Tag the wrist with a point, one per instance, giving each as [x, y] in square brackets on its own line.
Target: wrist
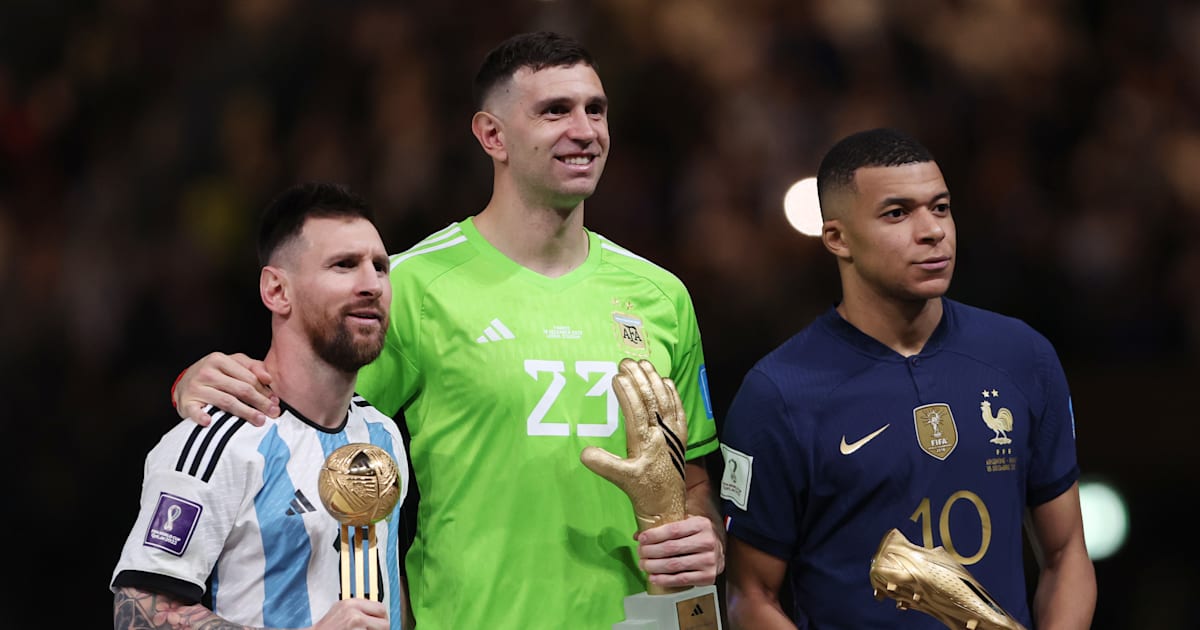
[174, 385]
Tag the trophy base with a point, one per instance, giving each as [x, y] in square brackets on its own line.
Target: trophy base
[693, 609]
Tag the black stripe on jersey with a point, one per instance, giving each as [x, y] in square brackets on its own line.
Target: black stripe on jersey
[674, 445]
[218, 421]
[190, 448]
[187, 447]
[212, 461]
[359, 401]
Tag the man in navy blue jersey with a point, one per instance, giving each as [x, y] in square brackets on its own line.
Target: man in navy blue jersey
[900, 409]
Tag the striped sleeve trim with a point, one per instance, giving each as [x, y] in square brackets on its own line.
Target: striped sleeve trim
[448, 237]
[205, 445]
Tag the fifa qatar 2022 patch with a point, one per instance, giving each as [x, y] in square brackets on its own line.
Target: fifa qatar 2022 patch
[173, 523]
[739, 470]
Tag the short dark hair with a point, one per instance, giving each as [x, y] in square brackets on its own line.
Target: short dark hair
[536, 51]
[283, 219]
[865, 149]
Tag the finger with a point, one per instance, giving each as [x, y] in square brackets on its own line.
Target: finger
[237, 390]
[637, 420]
[229, 404]
[640, 373]
[194, 411]
[619, 471]
[676, 416]
[677, 530]
[258, 368]
[684, 578]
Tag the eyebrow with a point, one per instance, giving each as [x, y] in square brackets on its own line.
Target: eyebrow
[905, 201]
[566, 100]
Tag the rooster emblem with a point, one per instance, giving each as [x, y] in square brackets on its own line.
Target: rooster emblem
[1001, 423]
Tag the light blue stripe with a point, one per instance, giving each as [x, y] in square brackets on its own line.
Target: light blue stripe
[287, 550]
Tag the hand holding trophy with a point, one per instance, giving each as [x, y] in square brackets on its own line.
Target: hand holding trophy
[359, 485]
[652, 475]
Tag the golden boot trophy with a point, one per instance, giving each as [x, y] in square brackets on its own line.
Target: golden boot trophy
[933, 582]
[652, 475]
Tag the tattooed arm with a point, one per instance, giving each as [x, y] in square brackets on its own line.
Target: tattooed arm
[135, 609]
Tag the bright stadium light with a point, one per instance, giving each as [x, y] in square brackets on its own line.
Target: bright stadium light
[801, 207]
[1105, 518]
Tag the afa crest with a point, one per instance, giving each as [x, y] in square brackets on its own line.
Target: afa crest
[630, 334]
[936, 432]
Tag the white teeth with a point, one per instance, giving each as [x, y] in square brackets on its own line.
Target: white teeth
[578, 161]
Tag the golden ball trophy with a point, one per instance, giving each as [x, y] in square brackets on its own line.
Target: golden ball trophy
[652, 475]
[359, 485]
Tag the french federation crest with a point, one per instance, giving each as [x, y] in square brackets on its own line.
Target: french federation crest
[936, 431]
[628, 329]
[1001, 421]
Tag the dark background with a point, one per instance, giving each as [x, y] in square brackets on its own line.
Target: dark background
[139, 139]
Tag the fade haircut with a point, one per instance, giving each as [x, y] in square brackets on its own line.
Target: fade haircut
[536, 51]
[865, 149]
[284, 218]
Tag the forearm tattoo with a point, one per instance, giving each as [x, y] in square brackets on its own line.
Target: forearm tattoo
[138, 610]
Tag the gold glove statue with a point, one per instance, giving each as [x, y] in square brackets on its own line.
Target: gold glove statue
[656, 441]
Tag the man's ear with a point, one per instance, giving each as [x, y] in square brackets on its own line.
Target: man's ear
[833, 235]
[275, 291]
[489, 131]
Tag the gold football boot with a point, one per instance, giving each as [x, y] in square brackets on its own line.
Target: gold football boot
[933, 582]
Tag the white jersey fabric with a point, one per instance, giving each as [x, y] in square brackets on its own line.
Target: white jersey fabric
[235, 508]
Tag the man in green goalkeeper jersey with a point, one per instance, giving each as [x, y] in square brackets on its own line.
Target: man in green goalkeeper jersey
[506, 331]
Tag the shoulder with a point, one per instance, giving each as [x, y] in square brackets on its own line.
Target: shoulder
[434, 254]
[635, 264]
[992, 332]
[369, 412]
[805, 365]
[228, 443]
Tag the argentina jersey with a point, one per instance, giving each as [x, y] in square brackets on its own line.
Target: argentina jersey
[234, 510]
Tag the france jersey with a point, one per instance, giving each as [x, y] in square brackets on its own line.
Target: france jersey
[833, 439]
[235, 507]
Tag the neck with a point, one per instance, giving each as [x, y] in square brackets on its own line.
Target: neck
[546, 240]
[309, 385]
[902, 326]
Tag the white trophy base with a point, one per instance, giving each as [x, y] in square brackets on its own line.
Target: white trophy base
[693, 609]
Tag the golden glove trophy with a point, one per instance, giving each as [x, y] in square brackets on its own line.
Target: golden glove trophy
[933, 582]
[653, 477]
[359, 485]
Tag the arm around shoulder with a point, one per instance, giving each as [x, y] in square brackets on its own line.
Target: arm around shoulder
[235, 383]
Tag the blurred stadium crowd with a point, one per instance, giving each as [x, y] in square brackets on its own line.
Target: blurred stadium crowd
[139, 139]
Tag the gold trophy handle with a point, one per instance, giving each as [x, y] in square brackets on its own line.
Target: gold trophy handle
[345, 557]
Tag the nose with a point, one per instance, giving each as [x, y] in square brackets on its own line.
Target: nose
[582, 126]
[371, 282]
[929, 226]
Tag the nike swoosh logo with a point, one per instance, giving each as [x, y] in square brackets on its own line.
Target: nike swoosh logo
[850, 448]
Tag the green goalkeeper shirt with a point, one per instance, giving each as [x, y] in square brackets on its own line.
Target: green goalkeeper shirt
[504, 376]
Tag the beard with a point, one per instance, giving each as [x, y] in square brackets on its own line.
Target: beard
[334, 343]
